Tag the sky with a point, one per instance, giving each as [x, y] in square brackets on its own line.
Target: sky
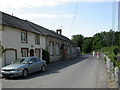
[86, 17]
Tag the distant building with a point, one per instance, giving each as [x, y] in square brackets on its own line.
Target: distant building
[119, 15]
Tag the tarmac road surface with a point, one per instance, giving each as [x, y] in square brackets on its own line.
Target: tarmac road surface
[84, 72]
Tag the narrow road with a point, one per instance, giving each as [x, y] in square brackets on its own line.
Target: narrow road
[85, 72]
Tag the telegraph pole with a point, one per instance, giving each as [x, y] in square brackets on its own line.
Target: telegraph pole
[113, 21]
[119, 16]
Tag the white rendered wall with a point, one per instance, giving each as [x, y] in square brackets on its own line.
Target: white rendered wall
[12, 39]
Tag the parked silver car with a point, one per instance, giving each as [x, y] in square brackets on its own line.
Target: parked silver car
[23, 67]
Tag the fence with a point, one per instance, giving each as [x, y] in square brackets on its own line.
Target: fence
[114, 71]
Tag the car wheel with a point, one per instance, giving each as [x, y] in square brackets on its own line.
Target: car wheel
[25, 73]
[43, 68]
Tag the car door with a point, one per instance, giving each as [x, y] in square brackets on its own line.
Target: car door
[32, 65]
[38, 63]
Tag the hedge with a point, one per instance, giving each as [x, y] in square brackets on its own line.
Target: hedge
[111, 52]
[46, 56]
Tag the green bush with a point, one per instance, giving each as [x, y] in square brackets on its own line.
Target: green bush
[112, 57]
[2, 50]
[105, 59]
[117, 64]
[116, 50]
[46, 56]
[111, 52]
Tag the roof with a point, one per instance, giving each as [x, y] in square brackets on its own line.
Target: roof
[48, 32]
[15, 22]
[12, 21]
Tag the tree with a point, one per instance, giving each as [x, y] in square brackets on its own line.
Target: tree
[98, 41]
[78, 39]
[87, 45]
[105, 39]
[117, 38]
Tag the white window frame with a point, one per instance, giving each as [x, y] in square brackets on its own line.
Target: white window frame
[57, 48]
[51, 48]
[37, 39]
[24, 37]
[24, 52]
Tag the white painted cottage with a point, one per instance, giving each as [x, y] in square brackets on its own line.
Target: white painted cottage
[21, 38]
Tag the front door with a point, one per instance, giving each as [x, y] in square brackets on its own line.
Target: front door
[31, 52]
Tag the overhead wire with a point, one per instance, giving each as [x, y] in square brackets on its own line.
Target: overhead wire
[74, 17]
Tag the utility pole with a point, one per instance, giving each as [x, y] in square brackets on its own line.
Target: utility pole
[119, 15]
[113, 22]
[119, 30]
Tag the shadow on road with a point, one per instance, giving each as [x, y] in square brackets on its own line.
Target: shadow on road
[53, 68]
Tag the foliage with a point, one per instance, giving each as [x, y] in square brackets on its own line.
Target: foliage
[99, 40]
[116, 50]
[78, 39]
[87, 45]
[46, 56]
[117, 38]
[105, 59]
[106, 39]
[2, 50]
[111, 53]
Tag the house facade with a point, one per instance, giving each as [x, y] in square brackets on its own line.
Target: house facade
[58, 46]
[60, 49]
[22, 38]
[18, 40]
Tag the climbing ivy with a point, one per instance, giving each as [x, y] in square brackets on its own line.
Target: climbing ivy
[2, 50]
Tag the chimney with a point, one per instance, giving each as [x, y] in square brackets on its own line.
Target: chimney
[59, 31]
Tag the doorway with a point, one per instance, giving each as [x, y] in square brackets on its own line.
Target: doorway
[32, 52]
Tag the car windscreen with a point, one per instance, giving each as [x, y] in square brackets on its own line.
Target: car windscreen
[21, 61]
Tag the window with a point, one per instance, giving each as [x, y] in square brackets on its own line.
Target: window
[68, 50]
[37, 59]
[57, 48]
[24, 36]
[37, 39]
[33, 60]
[51, 48]
[37, 51]
[24, 52]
